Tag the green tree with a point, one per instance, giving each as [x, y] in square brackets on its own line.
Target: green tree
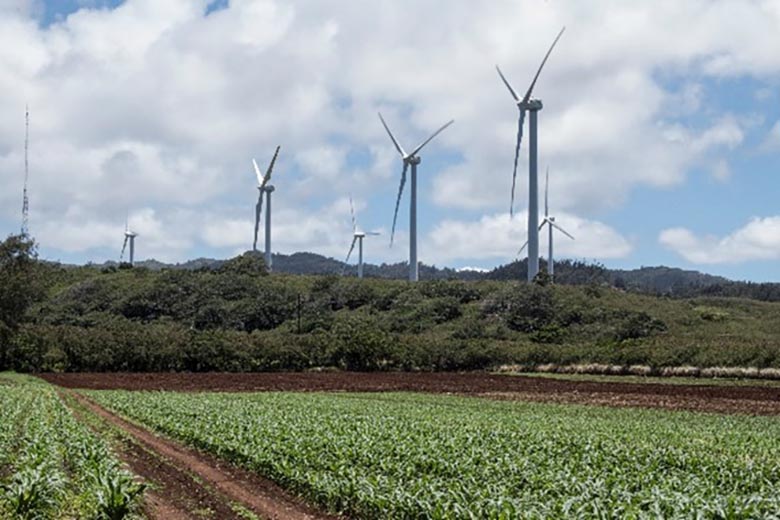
[21, 284]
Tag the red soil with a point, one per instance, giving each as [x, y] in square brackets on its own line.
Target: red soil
[721, 399]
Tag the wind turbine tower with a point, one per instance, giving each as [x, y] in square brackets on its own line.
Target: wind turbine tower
[414, 160]
[357, 237]
[527, 104]
[264, 191]
[548, 221]
[25, 200]
[129, 239]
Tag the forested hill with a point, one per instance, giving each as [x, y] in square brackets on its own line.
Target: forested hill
[654, 280]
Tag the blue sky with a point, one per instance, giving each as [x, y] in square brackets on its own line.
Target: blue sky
[661, 127]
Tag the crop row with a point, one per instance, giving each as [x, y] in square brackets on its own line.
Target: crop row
[52, 466]
[412, 456]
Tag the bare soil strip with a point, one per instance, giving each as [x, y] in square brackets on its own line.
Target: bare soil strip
[187, 476]
[758, 400]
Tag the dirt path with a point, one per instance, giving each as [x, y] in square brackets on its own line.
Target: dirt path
[195, 484]
[761, 400]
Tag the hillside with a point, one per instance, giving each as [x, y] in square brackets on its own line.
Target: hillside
[668, 281]
[235, 317]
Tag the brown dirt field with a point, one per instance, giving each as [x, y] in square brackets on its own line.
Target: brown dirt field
[720, 399]
[198, 485]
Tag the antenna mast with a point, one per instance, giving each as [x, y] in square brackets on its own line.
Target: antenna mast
[25, 200]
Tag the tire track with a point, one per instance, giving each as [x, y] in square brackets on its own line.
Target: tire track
[190, 474]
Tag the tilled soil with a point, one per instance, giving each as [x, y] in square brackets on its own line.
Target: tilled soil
[720, 399]
[192, 484]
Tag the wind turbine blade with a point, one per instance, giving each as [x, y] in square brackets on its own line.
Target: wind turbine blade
[544, 221]
[437, 132]
[533, 83]
[373, 233]
[271, 166]
[258, 213]
[398, 200]
[352, 213]
[395, 141]
[520, 124]
[124, 245]
[351, 248]
[511, 90]
[546, 187]
[522, 247]
[258, 173]
[559, 228]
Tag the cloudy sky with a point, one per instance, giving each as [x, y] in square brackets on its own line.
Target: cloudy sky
[661, 126]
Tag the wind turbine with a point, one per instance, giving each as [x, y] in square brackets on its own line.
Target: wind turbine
[550, 222]
[129, 237]
[357, 236]
[526, 104]
[410, 159]
[266, 189]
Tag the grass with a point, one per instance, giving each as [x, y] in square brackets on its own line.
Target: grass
[403, 455]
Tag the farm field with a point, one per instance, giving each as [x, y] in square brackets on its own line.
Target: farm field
[53, 466]
[402, 455]
[684, 394]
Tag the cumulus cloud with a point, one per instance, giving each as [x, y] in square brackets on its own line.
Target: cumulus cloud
[156, 106]
[498, 237]
[759, 239]
[772, 140]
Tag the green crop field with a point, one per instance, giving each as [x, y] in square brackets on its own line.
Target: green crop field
[415, 456]
[51, 465]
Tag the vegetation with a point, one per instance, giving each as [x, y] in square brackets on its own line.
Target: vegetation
[414, 456]
[51, 466]
[236, 317]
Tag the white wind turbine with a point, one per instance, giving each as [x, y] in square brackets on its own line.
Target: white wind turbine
[357, 236]
[550, 222]
[533, 106]
[129, 237]
[264, 189]
[410, 159]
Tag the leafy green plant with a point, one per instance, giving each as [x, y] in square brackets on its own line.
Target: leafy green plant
[118, 494]
[396, 455]
[33, 491]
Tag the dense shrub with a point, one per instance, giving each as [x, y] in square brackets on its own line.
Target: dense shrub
[237, 317]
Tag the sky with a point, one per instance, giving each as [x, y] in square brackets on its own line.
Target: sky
[660, 127]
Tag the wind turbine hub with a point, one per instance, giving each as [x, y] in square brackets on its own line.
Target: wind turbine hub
[531, 104]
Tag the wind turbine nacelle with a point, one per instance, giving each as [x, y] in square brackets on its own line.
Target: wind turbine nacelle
[551, 219]
[359, 234]
[531, 104]
[269, 188]
[413, 160]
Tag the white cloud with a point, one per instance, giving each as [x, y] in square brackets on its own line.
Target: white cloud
[497, 237]
[772, 140]
[759, 239]
[154, 105]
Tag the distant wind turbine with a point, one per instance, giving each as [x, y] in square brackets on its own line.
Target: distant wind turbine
[410, 159]
[550, 222]
[357, 237]
[264, 189]
[129, 237]
[533, 106]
